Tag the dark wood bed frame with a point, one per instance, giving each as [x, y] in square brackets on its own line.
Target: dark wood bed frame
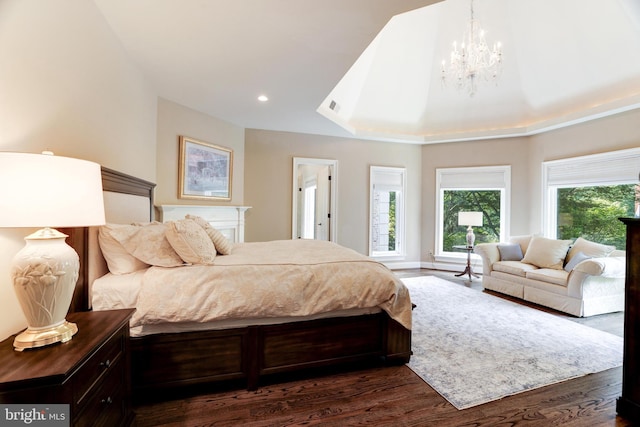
[173, 361]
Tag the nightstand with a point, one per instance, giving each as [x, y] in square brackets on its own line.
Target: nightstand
[91, 373]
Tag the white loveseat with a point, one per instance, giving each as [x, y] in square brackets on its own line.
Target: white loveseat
[581, 278]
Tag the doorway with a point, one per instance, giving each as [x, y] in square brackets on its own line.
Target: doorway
[314, 199]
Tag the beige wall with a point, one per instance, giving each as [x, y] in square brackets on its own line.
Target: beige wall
[175, 120]
[268, 183]
[67, 85]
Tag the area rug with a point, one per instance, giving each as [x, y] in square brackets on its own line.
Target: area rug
[473, 347]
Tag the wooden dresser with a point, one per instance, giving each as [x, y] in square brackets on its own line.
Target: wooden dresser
[91, 373]
[628, 404]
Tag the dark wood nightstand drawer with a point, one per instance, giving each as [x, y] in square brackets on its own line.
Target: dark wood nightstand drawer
[97, 367]
[105, 405]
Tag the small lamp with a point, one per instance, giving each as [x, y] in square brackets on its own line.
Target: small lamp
[470, 219]
[43, 190]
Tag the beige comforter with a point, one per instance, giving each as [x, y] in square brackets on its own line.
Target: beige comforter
[271, 279]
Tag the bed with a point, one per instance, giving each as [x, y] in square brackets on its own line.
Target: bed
[170, 355]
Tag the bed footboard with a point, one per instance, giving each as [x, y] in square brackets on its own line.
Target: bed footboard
[173, 361]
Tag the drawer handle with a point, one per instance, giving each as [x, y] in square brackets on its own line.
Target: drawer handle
[106, 363]
[107, 401]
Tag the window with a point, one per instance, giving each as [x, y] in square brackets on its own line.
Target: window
[386, 231]
[586, 195]
[477, 189]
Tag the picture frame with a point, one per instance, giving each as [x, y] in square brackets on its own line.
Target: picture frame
[205, 170]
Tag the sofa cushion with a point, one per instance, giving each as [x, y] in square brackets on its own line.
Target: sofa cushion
[517, 281]
[510, 252]
[588, 248]
[618, 253]
[549, 275]
[547, 253]
[516, 268]
[575, 260]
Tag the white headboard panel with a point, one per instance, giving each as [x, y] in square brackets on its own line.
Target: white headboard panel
[122, 208]
[229, 220]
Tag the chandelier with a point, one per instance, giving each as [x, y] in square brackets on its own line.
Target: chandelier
[472, 60]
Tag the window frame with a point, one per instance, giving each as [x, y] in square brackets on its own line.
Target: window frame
[376, 174]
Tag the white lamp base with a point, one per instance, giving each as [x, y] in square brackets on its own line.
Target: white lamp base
[471, 237]
[44, 275]
[33, 338]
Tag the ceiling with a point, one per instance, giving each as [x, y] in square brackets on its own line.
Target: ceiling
[564, 61]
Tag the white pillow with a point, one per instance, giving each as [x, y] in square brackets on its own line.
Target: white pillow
[148, 243]
[547, 253]
[222, 244]
[191, 242]
[118, 259]
[592, 249]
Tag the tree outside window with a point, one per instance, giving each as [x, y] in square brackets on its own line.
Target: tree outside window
[485, 201]
[593, 212]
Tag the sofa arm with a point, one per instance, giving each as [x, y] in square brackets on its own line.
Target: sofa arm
[604, 267]
[596, 274]
[489, 254]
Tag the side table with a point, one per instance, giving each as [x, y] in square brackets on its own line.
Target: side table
[468, 270]
[91, 373]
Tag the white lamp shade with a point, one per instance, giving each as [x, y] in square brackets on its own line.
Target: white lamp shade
[470, 218]
[39, 190]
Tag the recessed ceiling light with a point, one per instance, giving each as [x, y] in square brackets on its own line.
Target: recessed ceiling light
[263, 98]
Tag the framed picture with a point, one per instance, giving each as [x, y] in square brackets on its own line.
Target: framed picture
[205, 170]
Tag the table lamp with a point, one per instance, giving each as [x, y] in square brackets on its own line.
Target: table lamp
[470, 219]
[43, 190]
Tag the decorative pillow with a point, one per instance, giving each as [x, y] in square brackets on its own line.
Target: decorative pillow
[592, 249]
[575, 260]
[118, 259]
[148, 243]
[510, 252]
[523, 241]
[222, 244]
[191, 242]
[547, 253]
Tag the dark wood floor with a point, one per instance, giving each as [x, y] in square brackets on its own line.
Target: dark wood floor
[395, 396]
